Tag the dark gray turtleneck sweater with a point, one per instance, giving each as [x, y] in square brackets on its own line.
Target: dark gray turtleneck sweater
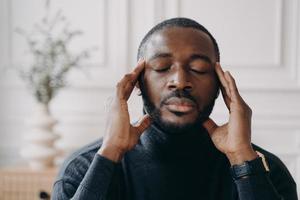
[164, 166]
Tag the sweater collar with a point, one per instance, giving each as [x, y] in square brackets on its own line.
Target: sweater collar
[166, 145]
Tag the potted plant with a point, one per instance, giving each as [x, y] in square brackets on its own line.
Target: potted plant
[52, 59]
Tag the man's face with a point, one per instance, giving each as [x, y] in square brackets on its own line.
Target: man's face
[179, 85]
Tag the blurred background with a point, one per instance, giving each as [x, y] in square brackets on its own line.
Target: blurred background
[92, 43]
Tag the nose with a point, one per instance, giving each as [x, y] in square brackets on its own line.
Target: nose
[179, 80]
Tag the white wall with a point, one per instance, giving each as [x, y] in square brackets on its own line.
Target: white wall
[259, 42]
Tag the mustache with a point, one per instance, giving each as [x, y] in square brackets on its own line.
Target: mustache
[179, 94]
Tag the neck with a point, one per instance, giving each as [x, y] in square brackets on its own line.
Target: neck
[187, 143]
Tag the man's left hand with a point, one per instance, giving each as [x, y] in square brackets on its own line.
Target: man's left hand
[233, 138]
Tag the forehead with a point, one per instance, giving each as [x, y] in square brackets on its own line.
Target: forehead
[180, 40]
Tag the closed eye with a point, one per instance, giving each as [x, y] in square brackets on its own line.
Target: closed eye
[199, 71]
[161, 69]
[200, 66]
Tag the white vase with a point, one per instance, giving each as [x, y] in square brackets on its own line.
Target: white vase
[38, 150]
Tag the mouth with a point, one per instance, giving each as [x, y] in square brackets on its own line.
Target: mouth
[180, 105]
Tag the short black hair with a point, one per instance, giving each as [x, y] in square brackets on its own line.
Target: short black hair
[176, 22]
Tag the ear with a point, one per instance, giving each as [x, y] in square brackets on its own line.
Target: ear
[137, 88]
[137, 85]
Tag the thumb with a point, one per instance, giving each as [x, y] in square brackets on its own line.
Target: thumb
[210, 126]
[143, 124]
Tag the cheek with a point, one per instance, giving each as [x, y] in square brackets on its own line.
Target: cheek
[206, 88]
[154, 85]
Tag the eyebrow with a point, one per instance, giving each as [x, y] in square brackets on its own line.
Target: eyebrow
[192, 57]
[160, 55]
[200, 56]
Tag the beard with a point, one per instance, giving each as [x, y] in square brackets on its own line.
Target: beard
[174, 128]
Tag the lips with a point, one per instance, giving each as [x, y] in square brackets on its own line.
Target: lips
[182, 105]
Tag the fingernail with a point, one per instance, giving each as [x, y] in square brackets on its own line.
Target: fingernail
[140, 60]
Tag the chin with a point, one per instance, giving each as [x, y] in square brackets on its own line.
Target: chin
[178, 124]
[179, 117]
[179, 121]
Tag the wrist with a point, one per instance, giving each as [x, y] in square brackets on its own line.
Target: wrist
[248, 168]
[239, 157]
[111, 153]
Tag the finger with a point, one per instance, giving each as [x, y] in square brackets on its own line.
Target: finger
[210, 126]
[225, 93]
[139, 68]
[226, 98]
[127, 83]
[232, 86]
[236, 92]
[143, 124]
[134, 77]
[222, 78]
[135, 74]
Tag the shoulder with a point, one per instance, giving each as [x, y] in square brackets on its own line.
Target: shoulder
[279, 173]
[76, 164]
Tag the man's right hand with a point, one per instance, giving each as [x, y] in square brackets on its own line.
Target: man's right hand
[120, 135]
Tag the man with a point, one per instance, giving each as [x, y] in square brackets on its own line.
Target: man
[175, 151]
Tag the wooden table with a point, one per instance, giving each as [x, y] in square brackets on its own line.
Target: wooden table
[18, 183]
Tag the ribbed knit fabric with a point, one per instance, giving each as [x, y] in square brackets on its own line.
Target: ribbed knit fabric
[164, 166]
